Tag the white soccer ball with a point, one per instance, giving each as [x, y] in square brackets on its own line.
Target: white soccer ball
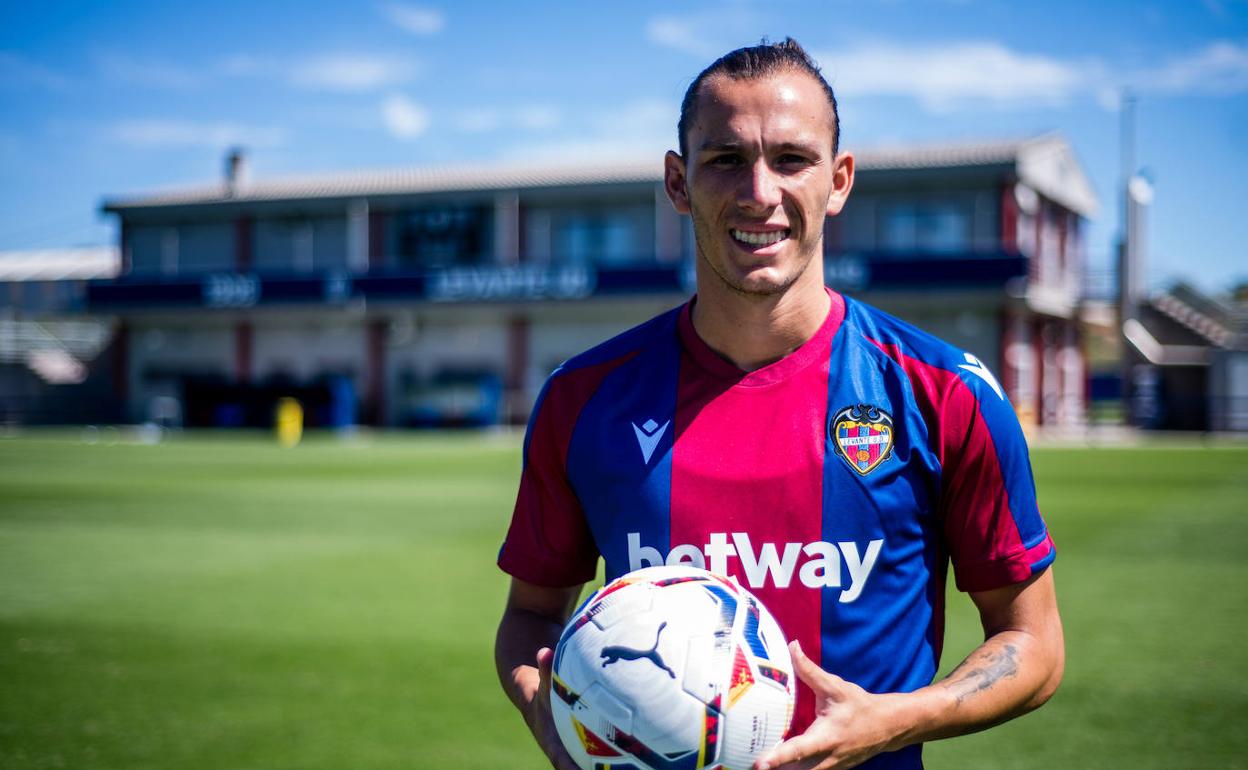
[671, 667]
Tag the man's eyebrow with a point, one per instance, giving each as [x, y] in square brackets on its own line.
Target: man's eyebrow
[799, 146]
[712, 145]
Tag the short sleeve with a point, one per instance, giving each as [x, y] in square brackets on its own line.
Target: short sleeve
[548, 542]
[992, 524]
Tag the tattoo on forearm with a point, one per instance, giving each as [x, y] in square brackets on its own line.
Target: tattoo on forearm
[983, 671]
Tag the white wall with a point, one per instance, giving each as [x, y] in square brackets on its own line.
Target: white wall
[417, 348]
[161, 353]
[304, 350]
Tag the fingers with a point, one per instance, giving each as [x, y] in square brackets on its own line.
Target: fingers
[545, 661]
[545, 657]
[810, 672]
[548, 736]
[791, 751]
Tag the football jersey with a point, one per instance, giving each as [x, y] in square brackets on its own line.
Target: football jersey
[836, 484]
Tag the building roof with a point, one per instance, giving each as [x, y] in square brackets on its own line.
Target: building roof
[1046, 164]
[60, 264]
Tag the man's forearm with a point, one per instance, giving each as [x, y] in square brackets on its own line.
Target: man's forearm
[521, 633]
[1008, 675]
[533, 619]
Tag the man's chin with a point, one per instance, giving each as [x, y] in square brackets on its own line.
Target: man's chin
[764, 285]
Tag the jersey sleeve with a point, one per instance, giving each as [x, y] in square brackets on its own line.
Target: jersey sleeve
[548, 542]
[992, 524]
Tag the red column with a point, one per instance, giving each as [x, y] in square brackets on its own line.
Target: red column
[242, 244]
[124, 246]
[1009, 217]
[376, 367]
[1037, 336]
[1063, 224]
[522, 241]
[1009, 374]
[1081, 343]
[517, 368]
[1059, 373]
[376, 240]
[121, 367]
[243, 334]
[1037, 255]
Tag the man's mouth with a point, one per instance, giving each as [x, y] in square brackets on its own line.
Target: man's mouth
[760, 239]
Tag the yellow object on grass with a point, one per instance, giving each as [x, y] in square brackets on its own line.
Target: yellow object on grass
[289, 422]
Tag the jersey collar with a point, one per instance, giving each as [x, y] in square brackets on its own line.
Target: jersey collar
[814, 349]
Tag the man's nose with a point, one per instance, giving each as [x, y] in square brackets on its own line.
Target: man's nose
[762, 189]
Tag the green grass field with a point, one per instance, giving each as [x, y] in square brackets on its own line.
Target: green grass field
[217, 602]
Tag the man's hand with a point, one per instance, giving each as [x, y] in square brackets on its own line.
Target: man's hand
[1015, 670]
[523, 655]
[539, 719]
[851, 725]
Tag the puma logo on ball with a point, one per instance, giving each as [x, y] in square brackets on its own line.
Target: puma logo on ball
[615, 653]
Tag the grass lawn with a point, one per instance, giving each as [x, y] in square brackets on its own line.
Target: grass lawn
[217, 602]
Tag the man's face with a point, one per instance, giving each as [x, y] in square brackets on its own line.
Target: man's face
[759, 180]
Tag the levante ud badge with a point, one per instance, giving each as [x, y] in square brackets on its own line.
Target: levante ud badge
[863, 435]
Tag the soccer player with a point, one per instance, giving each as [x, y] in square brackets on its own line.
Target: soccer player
[832, 458]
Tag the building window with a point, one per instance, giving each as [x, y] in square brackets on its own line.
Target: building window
[169, 251]
[924, 226]
[440, 236]
[606, 236]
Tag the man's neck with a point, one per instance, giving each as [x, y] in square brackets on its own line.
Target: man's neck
[753, 331]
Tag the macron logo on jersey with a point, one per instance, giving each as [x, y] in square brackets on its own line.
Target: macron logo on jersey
[648, 436]
[975, 367]
[820, 568]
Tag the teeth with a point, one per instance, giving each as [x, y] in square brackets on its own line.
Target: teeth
[760, 239]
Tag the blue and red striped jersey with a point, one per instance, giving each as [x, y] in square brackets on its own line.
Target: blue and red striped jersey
[836, 483]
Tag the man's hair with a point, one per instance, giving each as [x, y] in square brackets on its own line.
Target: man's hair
[752, 63]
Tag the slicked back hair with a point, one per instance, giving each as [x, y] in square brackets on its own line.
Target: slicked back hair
[752, 63]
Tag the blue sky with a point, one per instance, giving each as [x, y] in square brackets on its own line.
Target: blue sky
[98, 99]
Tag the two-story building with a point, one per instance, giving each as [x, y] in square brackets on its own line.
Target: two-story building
[381, 285]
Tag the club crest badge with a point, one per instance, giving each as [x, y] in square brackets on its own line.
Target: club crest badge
[863, 435]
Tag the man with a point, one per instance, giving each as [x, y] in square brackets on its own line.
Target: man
[832, 458]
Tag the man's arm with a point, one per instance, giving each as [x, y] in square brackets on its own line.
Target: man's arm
[1015, 670]
[523, 651]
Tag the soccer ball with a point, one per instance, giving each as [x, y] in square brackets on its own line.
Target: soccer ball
[671, 667]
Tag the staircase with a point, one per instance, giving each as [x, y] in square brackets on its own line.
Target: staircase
[1220, 324]
[53, 350]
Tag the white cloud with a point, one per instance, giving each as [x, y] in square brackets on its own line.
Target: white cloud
[1223, 9]
[479, 120]
[404, 118]
[17, 71]
[414, 19]
[639, 130]
[189, 133]
[353, 72]
[944, 75]
[710, 33]
[1219, 68]
[651, 118]
[531, 117]
[242, 65]
[537, 117]
[149, 73]
[349, 72]
[681, 34]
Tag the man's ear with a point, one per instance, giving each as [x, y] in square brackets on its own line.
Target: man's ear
[842, 182]
[675, 181]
